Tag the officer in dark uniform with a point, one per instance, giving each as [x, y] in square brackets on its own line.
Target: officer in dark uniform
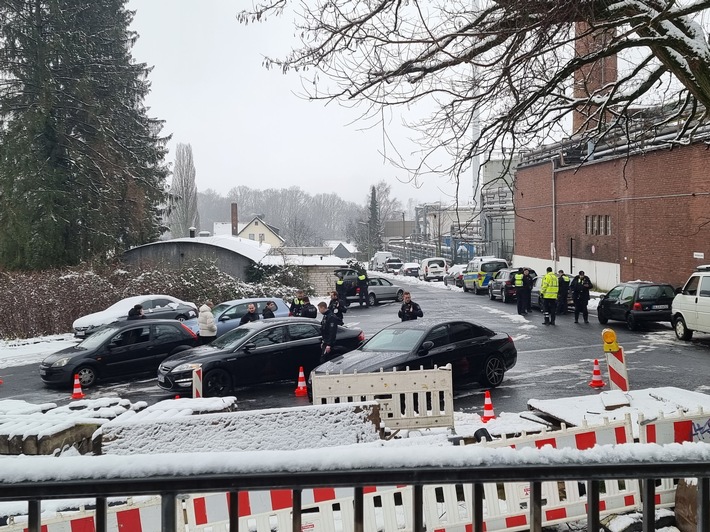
[362, 283]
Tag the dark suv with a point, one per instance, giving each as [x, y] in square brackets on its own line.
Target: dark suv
[636, 302]
[503, 284]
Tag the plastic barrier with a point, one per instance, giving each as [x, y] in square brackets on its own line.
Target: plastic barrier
[400, 394]
[143, 516]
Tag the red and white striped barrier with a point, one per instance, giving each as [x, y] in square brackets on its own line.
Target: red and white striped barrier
[197, 383]
[615, 361]
[141, 516]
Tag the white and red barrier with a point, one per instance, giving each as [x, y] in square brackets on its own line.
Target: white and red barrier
[197, 383]
[615, 361]
[141, 516]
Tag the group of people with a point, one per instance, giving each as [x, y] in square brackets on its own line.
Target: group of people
[555, 291]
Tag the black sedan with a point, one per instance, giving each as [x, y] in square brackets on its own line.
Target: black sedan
[475, 352]
[119, 349]
[260, 351]
[636, 303]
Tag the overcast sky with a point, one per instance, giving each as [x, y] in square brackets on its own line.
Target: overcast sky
[245, 124]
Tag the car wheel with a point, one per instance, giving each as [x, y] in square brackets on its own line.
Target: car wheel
[465, 289]
[181, 317]
[87, 376]
[446, 283]
[400, 296]
[603, 318]
[493, 371]
[631, 322]
[372, 299]
[504, 296]
[539, 302]
[490, 295]
[217, 383]
[681, 330]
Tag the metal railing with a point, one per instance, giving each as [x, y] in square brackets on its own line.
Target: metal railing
[473, 476]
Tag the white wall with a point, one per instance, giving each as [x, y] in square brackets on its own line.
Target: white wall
[604, 275]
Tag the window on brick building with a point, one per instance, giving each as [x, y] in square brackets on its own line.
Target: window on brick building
[607, 225]
[597, 224]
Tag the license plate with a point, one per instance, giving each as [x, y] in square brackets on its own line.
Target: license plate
[80, 333]
[42, 371]
[161, 378]
[659, 307]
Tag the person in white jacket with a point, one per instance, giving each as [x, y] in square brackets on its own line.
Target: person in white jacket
[205, 320]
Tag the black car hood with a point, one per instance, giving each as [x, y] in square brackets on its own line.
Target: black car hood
[71, 351]
[196, 354]
[367, 361]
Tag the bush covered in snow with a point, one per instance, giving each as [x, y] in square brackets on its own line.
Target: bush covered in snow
[47, 302]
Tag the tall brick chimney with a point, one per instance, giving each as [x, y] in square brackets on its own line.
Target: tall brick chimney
[594, 76]
[235, 220]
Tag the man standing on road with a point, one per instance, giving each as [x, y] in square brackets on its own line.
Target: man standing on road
[308, 310]
[523, 292]
[337, 306]
[549, 289]
[564, 291]
[328, 330]
[362, 284]
[580, 287]
[410, 310]
[519, 289]
[251, 315]
[296, 304]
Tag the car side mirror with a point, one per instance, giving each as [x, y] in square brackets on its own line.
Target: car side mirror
[603, 296]
[249, 346]
[224, 318]
[679, 290]
[426, 347]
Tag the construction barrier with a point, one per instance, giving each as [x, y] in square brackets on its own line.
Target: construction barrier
[411, 399]
[615, 361]
[134, 516]
[197, 383]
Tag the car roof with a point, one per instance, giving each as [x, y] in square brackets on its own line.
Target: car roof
[250, 300]
[427, 323]
[642, 283]
[122, 324]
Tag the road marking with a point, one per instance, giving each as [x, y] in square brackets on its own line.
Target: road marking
[567, 348]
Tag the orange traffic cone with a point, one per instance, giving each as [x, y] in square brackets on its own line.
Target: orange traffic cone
[596, 381]
[77, 393]
[488, 413]
[301, 390]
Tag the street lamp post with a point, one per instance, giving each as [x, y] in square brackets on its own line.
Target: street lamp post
[404, 242]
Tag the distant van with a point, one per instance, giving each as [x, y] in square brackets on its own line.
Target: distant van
[432, 268]
[479, 272]
[691, 305]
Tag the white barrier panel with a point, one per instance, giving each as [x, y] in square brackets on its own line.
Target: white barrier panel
[411, 399]
[141, 516]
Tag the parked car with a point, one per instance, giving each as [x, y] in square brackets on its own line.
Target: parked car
[454, 276]
[636, 302]
[432, 268]
[228, 313]
[154, 306]
[379, 289]
[479, 272]
[536, 297]
[350, 279]
[392, 265]
[257, 352]
[691, 305]
[377, 262]
[120, 349]
[409, 269]
[475, 352]
[503, 284]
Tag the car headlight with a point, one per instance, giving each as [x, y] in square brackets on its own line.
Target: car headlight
[187, 367]
[61, 362]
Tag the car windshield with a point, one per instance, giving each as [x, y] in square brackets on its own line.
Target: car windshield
[99, 337]
[231, 339]
[492, 266]
[655, 292]
[394, 340]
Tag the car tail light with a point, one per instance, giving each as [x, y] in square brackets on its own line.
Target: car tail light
[637, 306]
[510, 339]
[194, 336]
[460, 276]
[508, 282]
[357, 290]
[361, 336]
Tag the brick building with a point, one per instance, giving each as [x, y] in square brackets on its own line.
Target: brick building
[619, 218]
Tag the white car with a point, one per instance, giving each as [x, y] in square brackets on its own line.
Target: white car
[154, 306]
[691, 305]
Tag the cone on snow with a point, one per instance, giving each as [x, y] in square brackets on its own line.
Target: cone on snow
[596, 381]
[77, 393]
[488, 413]
[301, 390]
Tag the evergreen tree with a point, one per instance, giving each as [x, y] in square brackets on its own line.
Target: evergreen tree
[373, 223]
[82, 169]
[183, 214]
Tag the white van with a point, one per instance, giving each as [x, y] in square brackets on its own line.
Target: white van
[691, 306]
[432, 268]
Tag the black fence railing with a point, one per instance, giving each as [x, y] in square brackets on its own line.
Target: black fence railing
[554, 467]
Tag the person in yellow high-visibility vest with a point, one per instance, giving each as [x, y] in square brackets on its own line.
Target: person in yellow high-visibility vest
[548, 291]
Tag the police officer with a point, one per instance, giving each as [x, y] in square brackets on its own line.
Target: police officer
[564, 291]
[549, 290]
[328, 330]
[342, 290]
[519, 289]
[580, 287]
[362, 284]
[296, 304]
[336, 306]
[410, 310]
